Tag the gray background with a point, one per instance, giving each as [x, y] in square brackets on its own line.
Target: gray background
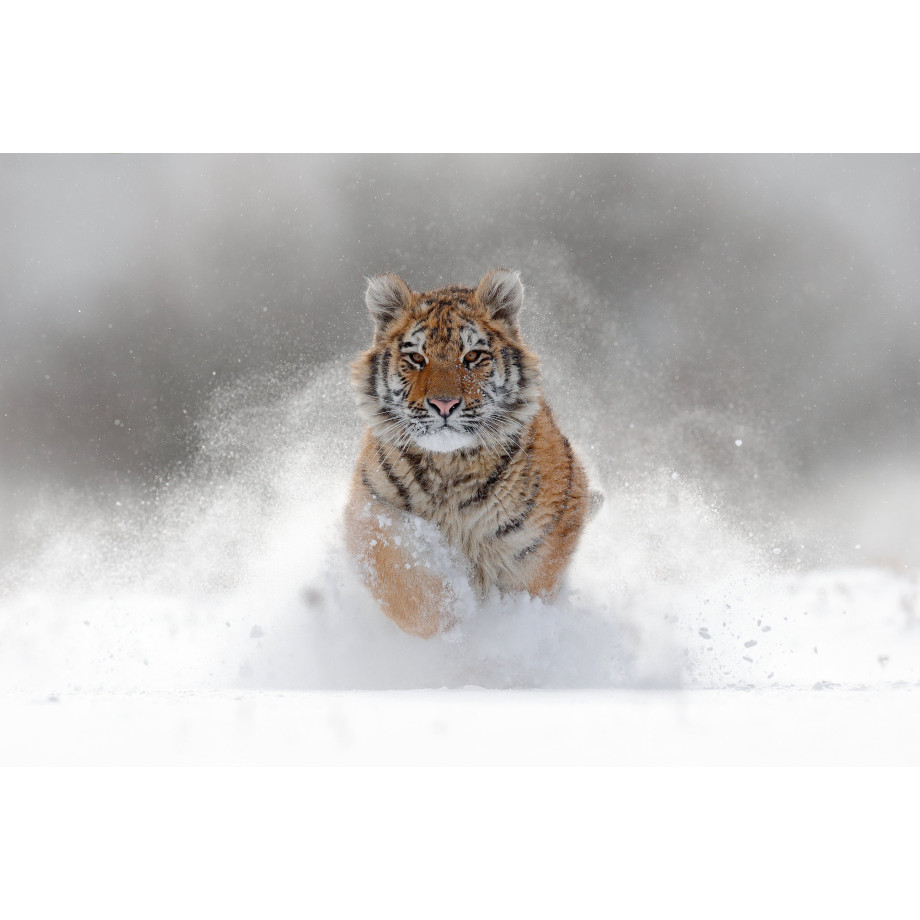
[679, 303]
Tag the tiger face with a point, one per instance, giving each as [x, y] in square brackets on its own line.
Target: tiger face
[447, 370]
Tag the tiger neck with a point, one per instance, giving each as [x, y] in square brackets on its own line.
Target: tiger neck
[464, 465]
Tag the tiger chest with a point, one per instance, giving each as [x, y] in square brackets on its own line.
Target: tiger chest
[495, 524]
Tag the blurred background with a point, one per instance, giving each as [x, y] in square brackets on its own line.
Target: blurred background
[749, 322]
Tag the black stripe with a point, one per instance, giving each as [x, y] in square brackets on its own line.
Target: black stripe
[532, 548]
[368, 486]
[385, 369]
[567, 494]
[563, 505]
[530, 503]
[464, 479]
[571, 458]
[372, 378]
[518, 522]
[402, 491]
[514, 442]
[390, 414]
[513, 357]
[483, 492]
[420, 475]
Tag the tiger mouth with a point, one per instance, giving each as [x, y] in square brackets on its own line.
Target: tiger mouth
[454, 422]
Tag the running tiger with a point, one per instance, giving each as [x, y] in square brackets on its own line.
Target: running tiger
[459, 435]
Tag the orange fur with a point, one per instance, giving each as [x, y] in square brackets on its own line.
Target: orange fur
[494, 475]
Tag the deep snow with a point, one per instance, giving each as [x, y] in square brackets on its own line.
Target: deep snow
[199, 611]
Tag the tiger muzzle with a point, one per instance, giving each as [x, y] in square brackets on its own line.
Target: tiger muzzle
[444, 406]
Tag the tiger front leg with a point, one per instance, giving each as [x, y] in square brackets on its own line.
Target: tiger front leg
[393, 561]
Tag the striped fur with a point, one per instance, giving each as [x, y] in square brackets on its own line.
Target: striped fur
[494, 475]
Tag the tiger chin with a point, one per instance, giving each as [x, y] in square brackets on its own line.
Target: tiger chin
[459, 435]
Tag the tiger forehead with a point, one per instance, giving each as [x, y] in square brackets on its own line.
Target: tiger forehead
[454, 294]
[445, 326]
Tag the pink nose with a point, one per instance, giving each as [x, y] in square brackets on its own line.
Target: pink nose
[444, 405]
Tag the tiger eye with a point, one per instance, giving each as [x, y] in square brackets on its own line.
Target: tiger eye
[471, 356]
[417, 358]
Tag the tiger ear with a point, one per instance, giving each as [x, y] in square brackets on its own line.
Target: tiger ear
[386, 297]
[502, 294]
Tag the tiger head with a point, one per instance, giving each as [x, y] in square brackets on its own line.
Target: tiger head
[447, 370]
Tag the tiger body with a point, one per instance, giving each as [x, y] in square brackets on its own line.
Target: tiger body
[460, 436]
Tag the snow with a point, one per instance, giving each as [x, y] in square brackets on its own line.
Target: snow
[465, 727]
[219, 620]
[721, 611]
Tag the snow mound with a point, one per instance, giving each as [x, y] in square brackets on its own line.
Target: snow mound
[234, 575]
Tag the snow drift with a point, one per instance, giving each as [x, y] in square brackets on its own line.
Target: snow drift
[233, 574]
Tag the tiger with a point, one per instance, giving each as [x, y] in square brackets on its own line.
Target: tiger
[458, 435]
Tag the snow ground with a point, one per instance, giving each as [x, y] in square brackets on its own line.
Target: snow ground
[219, 621]
[216, 622]
[475, 728]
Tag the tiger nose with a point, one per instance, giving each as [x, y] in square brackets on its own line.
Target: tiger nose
[444, 406]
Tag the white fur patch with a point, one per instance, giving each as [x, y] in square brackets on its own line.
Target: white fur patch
[445, 440]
